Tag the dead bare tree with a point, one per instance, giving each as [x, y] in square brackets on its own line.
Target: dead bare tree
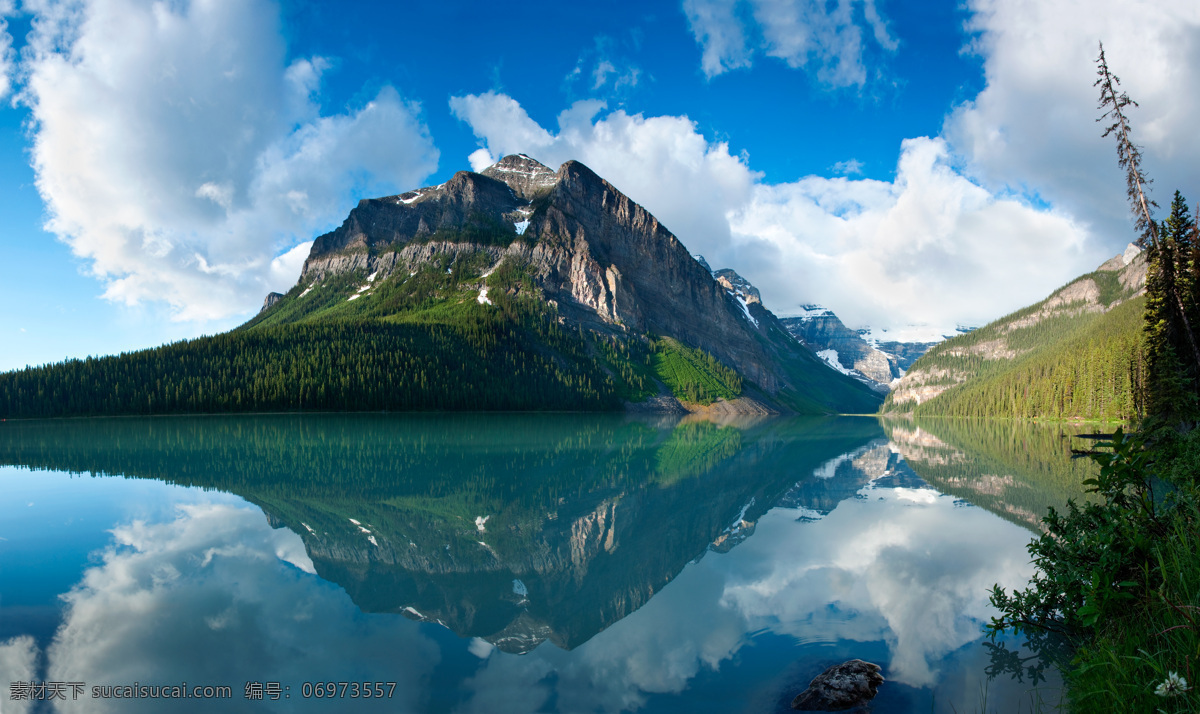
[1129, 157]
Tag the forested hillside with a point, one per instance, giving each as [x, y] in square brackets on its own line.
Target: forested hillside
[1075, 355]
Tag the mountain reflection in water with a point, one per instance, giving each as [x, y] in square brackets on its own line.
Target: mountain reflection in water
[511, 530]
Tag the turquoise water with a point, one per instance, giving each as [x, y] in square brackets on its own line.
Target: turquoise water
[507, 563]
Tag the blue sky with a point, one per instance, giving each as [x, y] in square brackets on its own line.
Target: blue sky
[163, 165]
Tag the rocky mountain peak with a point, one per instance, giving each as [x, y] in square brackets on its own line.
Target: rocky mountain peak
[526, 176]
[1130, 266]
[270, 300]
[737, 286]
[600, 260]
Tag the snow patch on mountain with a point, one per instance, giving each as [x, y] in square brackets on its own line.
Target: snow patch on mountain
[808, 312]
[831, 358]
[911, 333]
[745, 308]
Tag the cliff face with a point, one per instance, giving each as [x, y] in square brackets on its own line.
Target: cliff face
[603, 261]
[823, 332]
[640, 276]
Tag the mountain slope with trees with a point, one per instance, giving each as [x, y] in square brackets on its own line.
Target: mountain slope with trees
[518, 288]
[1075, 355]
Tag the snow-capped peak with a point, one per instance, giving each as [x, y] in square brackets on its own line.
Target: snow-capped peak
[808, 312]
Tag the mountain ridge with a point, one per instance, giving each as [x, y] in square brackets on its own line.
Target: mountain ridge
[489, 289]
[1074, 354]
[602, 260]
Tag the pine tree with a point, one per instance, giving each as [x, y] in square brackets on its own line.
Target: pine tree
[1171, 270]
[1129, 157]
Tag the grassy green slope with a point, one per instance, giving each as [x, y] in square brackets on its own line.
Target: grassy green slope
[1071, 365]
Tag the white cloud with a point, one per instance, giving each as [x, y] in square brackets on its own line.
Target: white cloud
[1033, 126]
[18, 663]
[612, 74]
[930, 247]
[181, 156]
[494, 114]
[847, 167]
[214, 596]
[721, 34]
[813, 34]
[7, 54]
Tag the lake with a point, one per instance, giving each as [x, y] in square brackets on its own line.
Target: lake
[514, 563]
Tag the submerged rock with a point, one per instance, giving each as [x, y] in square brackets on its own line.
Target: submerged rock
[841, 687]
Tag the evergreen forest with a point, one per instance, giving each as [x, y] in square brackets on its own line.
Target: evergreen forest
[427, 341]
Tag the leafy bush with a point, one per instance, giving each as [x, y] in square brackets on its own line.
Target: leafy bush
[1119, 579]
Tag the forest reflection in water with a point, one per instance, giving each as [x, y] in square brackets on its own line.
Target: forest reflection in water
[510, 530]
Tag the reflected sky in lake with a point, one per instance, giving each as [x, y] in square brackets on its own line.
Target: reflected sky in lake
[720, 571]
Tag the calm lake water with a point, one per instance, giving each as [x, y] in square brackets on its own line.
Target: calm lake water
[515, 563]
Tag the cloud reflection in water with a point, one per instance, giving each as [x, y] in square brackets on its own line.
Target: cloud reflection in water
[218, 597]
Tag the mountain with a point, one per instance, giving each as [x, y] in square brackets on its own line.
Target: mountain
[517, 287]
[843, 350]
[858, 353]
[1074, 355]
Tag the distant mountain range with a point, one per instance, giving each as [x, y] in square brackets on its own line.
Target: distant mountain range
[518, 287]
[860, 354]
[856, 352]
[1074, 355]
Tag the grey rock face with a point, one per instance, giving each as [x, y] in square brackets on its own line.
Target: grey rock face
[736, 284]
[525, 176]
[270, 300]
[821, 330]
[841, 687]
[602, 259]
[467, 204]
[904, 353]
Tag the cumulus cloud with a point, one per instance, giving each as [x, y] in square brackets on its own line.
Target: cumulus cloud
[930, 247]
[1033, 125]
[827, 39]
[213, 596]
[184, 158]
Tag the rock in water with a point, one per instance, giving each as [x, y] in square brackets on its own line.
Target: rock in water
[840, 687]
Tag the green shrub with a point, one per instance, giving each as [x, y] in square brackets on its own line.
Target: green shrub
[1120, 579]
